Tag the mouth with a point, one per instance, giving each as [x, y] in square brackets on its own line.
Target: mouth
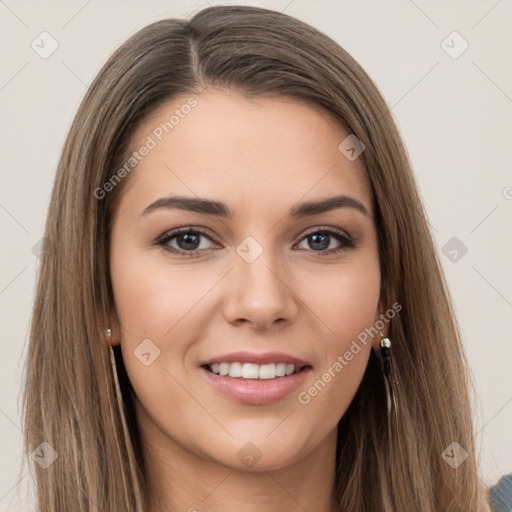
[255, 384]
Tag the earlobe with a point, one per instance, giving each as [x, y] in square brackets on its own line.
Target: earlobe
[112, 332]
[108, 336]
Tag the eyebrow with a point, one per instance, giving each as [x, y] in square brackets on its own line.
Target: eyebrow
[219, 209]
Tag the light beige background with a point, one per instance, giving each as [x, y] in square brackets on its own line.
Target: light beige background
[454, 115]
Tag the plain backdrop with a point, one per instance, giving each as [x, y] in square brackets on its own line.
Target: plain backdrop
[452, 104]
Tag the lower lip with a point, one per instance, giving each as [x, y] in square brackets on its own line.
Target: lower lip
[256, 391]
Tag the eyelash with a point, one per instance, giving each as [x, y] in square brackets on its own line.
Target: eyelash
[164, 240]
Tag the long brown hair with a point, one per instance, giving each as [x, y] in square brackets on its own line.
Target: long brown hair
[70, 397]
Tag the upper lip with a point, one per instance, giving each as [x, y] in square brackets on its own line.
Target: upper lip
[256, 358]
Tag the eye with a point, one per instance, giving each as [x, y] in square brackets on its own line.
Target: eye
[187, 239]
[321, 238]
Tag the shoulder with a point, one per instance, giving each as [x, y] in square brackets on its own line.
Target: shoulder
[500, 495]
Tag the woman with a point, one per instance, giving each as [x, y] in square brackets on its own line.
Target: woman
[235, 221]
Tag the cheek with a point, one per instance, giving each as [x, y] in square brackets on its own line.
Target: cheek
[148, 303]
[357, 304]
[346, 299]
[152, 298]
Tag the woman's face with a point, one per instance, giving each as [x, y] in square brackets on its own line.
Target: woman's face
[256, 280]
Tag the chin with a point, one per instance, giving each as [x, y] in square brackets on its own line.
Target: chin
[261, 453]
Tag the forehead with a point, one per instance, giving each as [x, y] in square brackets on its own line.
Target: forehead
[250, 152]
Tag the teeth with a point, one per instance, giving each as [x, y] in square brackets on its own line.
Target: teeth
[235, 370]
[250, 371]
[281, 369]
[253, 371]
[267, 371]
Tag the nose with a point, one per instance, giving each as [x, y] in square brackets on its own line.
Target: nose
[260, 293]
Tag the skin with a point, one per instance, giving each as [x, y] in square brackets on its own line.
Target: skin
[260, 157]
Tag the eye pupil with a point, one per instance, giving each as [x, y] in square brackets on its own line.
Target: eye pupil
[188, 239]
[322, 238]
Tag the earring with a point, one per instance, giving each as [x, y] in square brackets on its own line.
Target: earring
[116, 378]
[122, 413]
[389, 376]
[108, 335]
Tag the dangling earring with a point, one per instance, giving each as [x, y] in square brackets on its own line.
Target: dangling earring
[108, 335]
[389, 376]
[120, 403]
